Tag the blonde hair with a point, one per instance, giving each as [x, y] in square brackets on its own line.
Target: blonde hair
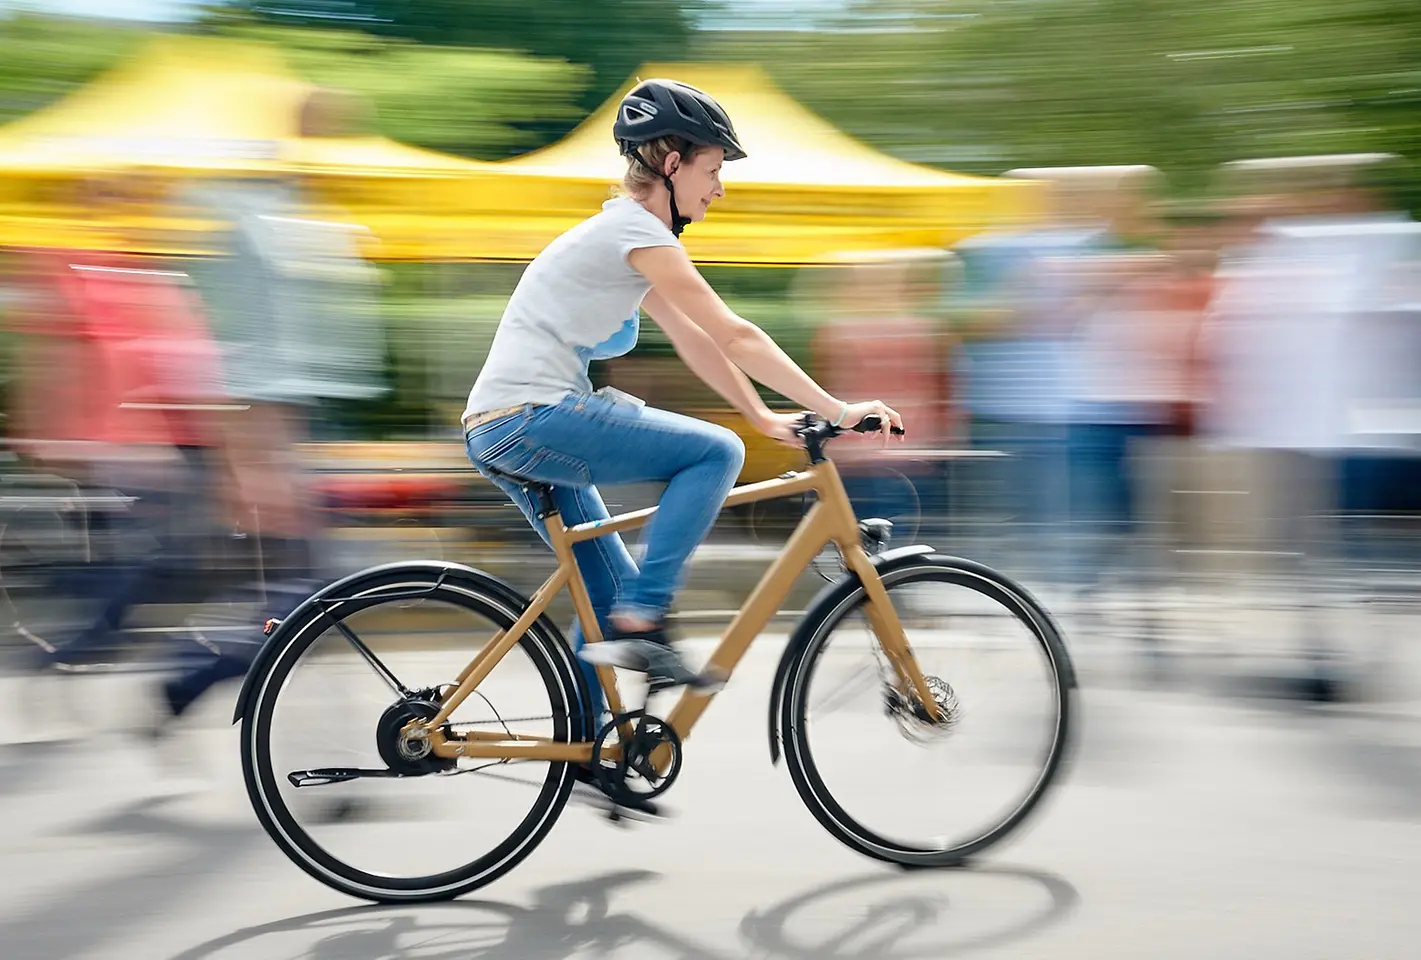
[639, 179]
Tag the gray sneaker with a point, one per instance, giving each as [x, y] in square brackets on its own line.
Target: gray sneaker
[648, 652]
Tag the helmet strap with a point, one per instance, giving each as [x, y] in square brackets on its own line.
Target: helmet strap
[678, 222]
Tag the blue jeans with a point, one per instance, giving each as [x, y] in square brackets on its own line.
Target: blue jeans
[587, 440]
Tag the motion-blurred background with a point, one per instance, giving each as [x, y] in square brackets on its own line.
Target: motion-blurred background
[1142, 275]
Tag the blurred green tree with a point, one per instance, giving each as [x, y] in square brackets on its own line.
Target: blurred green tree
[612, 37]
[484, 103]
[481, 103]
[44, 58]
[976, 85]
[987, 85]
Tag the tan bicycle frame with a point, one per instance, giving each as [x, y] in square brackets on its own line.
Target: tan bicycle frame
[830, 519]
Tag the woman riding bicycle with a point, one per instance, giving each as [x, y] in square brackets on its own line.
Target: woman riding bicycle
[535, 427]
[532, 414]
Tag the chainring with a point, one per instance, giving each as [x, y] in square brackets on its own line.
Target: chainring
[632, 776]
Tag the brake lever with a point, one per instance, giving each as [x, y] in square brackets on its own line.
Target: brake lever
[873, 423]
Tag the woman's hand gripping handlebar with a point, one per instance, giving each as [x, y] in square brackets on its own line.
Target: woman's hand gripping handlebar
[814, 430]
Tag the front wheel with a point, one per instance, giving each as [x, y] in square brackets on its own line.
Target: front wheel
[872, 767]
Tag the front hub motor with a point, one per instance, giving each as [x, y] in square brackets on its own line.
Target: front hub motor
[913, 719]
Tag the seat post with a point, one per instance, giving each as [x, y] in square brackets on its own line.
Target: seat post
[542, 496]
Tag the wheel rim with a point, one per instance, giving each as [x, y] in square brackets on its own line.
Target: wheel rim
[941, 792]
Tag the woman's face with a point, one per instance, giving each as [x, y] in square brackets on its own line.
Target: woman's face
[697, 181]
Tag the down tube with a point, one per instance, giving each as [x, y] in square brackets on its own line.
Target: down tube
[763, 603]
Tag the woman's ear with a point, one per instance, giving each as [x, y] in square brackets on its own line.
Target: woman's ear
[671, 164]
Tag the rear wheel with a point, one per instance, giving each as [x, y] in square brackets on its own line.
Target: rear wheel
[426, 828]
[875, 769]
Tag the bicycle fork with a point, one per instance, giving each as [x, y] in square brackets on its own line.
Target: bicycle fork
[882, 616]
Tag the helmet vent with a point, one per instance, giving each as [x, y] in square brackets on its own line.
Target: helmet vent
[682, 107]
[634, 115]
[667, 108]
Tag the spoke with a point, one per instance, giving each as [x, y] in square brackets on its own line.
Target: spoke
[839, 694]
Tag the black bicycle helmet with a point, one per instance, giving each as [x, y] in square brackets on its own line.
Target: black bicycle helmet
[667, 108]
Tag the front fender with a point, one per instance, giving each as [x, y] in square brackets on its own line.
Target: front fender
[827, 598]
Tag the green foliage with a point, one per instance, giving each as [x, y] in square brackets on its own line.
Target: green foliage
[975, 85]
[482, 103]
[44, 58]
[611, 37]
[988, 85]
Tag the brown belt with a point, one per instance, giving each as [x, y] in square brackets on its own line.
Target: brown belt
[473, 420]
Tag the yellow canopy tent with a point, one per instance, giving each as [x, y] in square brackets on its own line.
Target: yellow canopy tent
[189, 106]
[185, 102]
[805, 193]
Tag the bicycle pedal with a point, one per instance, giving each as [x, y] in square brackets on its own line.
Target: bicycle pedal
[617, 817]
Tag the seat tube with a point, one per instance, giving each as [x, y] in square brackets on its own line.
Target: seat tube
[581, 602]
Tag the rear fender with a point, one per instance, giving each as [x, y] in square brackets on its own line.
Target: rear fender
[430, 570]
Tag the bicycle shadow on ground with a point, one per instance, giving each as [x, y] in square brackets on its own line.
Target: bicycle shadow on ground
[881, 916]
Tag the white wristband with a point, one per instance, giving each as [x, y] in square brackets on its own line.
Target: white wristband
[840, 418]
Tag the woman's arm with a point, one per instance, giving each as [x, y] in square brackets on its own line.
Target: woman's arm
[677, 282]
[698, 350]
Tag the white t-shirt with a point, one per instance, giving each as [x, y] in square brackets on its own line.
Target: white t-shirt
[578, 301]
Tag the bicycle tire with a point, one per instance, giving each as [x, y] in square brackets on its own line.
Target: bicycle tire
[830, 609]
[448, 583]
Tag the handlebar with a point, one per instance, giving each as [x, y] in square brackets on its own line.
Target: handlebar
[814, 430]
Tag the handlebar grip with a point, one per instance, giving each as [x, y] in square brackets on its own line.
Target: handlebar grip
[873, 423]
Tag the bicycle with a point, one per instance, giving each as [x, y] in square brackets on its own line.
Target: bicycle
[419, 742]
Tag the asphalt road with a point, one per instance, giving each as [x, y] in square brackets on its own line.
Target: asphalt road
[1189, 825]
